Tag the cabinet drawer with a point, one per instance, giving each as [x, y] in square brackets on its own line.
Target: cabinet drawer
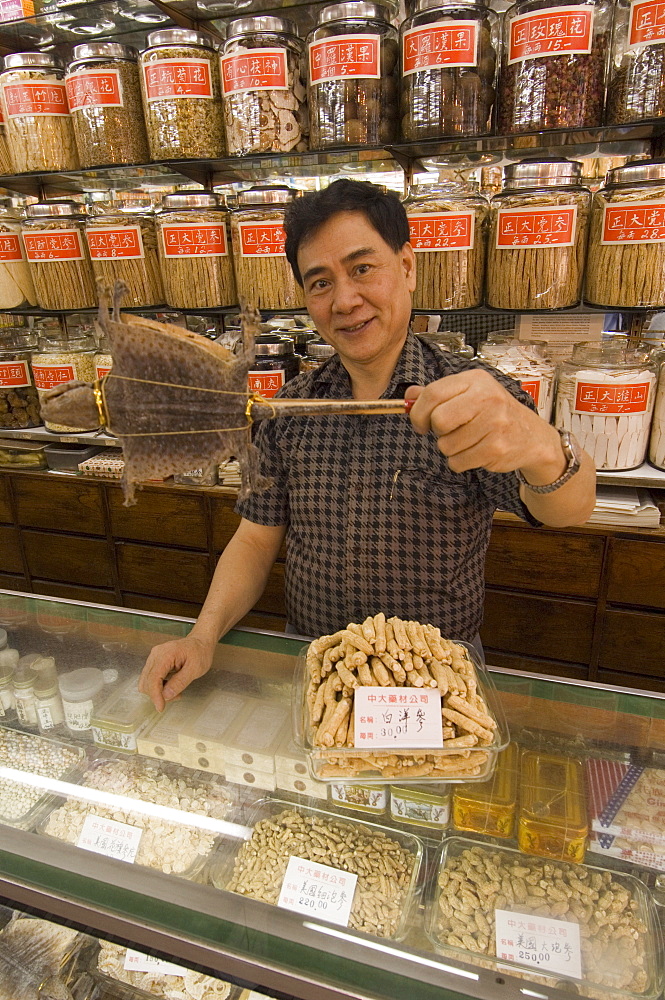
[637, 573]
[161, 572]
[68, 558]
[9, 581]
[633, 643]
[164, 517]
[10, 550]
[5, 500]
[70, 592]
[547, 561]
[161, 606]
[60, 505]
[538, 626]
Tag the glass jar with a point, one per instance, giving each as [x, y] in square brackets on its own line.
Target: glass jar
[448, 340]
[16, 287]
[59, 360]
[264, 87]
[80, 691]
[657, 439]
[318, 353]
[39, 127]
[6, 166]
[449, 53]
[182, 102]
[540, 88]
[7, 699]
[538, 236]
[24, 696]
[525, 362]
[605, 397]
[275, 364]
[48, 703]
[122, 241]
[103, 360]
[448, 227]
[57, 252]
[353, 72]
[104, 94]
[636, 89]
[19, 402]
[197, 269]
[263, 274]
[626, 256]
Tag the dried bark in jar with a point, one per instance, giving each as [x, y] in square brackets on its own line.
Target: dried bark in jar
[263, 274]
[16, 286]
[636, 90]
[196, 265]
[657, 439]
[123, 247]
[58, 258]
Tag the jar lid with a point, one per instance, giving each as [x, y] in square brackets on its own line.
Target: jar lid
[354, 10]
[191, 199]
[319, 350]
[272, 195]
[267, 345]
[104, 50]
[43, 60]
[550, 172]
[179, 36]
[6, 674]
[49, 209]
[422, 5]
[46, 684]
[82, 684]
[636, 173]
[24, 677]
[246, 25]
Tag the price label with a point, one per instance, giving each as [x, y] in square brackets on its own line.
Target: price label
[91, 88]
[540, 227]
[267, 383]
[317, 890]
[450, 43]
[550, 32]
[14, 374]
[36, 99]
[108, 837]
[637, 222]
[431, 231]
[48, 376]
[257, 69]
[136, 961]
[384, 717]
[345, 56]
[114, 242]
[611, 400]
[647, 23]
[539, 942]
[46, 244]
[177, 78]
[182, 239]
[262, 239]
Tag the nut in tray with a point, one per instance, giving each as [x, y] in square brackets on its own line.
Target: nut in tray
[380, 673]
[23, 804]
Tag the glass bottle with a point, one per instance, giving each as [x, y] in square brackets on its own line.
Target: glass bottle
[525, 362]
[58, 256]
[19, 401]
[122, 242]
[636, 89]
[48, 703]
[58, 360]
[24, 696]
[275, 364]
[80, 691]
[318, 353]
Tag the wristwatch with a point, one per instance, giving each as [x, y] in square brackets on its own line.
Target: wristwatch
[573, 453]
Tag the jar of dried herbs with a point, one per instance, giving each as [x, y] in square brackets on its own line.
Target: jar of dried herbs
[60, 359]
[449, 52]
[448, 227]
[353, 76]
[104, 94]
[194, 252]
[264, 86]
[5, 158]
[57, 252]
[122, 242]
[181, 89]
[16, 287]
[636, 88]
[626, 259]
[39, 128]
[554, 64]
[19, 402]
[263, 274]
[538, 235]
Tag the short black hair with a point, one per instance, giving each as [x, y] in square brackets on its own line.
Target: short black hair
[382, 209]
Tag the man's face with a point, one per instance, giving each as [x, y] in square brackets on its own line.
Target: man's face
[357, 289]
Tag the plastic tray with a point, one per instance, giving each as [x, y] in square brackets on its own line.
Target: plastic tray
[45, 802]
[222, 871]
[318, 758]
[174, 982]
[588, 985]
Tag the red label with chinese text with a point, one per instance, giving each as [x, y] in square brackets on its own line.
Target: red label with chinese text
[262, 239]
[445, 44]
[102, 370]
[14, 10]
[551, 31]
[35, 99]
[344, 56]
[532, 386]
[93, 89]
[637, 222]
[647, 23]
[10, 247]
[536, 227]
[46, 376]
[442, 231]
[115, 241]
[177, 78]
[258, 69]
[48, 244]
[182, 239]
[611, 400]
[14, 374]
[267, 383]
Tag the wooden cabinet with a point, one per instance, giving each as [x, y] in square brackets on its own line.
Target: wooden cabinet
[637, 574]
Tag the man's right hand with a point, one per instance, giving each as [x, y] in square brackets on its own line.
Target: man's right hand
[172, 666]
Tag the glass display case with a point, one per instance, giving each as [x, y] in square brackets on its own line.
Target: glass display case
[201, 838]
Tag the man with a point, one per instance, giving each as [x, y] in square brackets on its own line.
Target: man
[380, 513]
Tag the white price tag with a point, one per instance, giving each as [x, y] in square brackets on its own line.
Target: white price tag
[539, 942]
[389, 717]
[107, 836]
[136, 961]
[318, 890]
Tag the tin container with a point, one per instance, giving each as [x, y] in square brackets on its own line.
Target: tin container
[428, 809]
[161, 738]
[120, 720]
[256, 737]
[359, 798]
[201, 737]
[552, 819]
[490, 807]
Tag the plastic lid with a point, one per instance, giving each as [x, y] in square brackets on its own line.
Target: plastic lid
[180, 36]
[49, 209]
[6, 674]
[636, 173]
[247, 25]
[24, 677]
[275, 194]
[268, 344]
[190, 199]
[110, 675]
[42, 60]
[552, 791]
[448, 4]
[82, 684]
[320, 350]
[550, 172]
[46, 684]
[354, 10]
[104, 50]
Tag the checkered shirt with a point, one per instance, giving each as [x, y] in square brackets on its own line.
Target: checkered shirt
[376, 520]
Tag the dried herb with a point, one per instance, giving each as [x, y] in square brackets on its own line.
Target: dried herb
[38, 141]
[199, 281]
[107, 134]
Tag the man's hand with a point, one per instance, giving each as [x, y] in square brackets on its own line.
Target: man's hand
[172, 666]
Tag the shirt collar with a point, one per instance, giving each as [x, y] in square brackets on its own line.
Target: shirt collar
[409, 370]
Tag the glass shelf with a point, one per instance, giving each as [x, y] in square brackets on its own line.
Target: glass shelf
[72, 23]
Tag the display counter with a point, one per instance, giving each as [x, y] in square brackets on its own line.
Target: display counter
[177, 834]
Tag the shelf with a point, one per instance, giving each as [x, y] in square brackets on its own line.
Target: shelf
[645, 476]
[52, 437]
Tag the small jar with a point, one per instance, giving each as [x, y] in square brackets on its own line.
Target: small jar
[554, 65]
[48, 703]
[636, 89]
[80, 691]
[448, 227]
[449, 52]
[605, 397]
[16, 286]
[193, 243]
[58, 257]
[19, 402]
[538, 236]
[263, 274]
[24, 697]
[122, 242]
[182, 102]
[104, 94]
[449, 340]
[59, 360]
[264, 86]
[525, 362]
[657, 439]
[7, 699]
[626, 257]
[353, 73]
[40, 133]
[275, 364]
[318, 353]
